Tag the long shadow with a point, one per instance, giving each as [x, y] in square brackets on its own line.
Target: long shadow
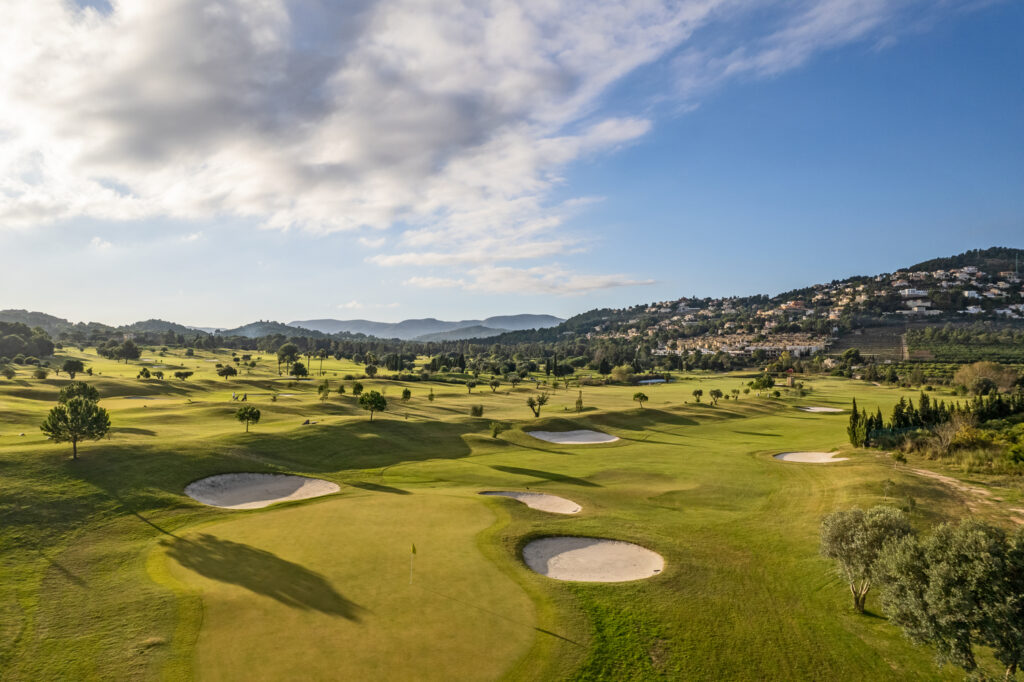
[132, 430]
[263, 573]
[546, 475]
[377, 488]
[756, 433]
[63, 570]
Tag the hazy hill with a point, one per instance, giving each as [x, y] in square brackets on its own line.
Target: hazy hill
[475, 332]
[417, 328]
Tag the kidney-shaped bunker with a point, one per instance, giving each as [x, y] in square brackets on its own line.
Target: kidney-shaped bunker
[592, 560]
[578, 437]
[252, 491]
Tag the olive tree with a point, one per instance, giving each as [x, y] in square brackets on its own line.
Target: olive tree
[854, 538]
[536, 403]
[72, 367]
[958, 589]
[640, 397]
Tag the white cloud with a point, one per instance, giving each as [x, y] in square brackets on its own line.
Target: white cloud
[450, 121]
[551, 280]
[99, 244]
[373, 243]
[192, 237]
[358, 305]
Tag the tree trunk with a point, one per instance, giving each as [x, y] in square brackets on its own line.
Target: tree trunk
[74, 449]
[371, 415]
[1011, 672]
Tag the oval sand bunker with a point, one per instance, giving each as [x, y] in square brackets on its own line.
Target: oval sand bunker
[580, 437]
[810, 457]
[591, 560]
[253, 491]
[828, 410]
[540, 501]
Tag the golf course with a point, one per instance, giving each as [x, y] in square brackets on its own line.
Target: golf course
[397, 566]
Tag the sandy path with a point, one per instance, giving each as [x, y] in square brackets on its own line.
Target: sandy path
[591, 559]
[541, 501]
[828, 410]
[810, 457]
[580, 437]
[253, 491]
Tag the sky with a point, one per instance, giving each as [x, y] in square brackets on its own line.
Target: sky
[215, 163]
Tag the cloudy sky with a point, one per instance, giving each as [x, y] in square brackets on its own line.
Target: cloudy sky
[218, 161]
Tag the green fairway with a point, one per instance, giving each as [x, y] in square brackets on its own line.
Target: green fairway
[110, 572]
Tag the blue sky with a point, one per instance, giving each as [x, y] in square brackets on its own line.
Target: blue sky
[496, 161]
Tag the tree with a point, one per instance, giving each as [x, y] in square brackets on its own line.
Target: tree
[641, 398]
[7, 372]
[248, 414]
[128, 351]
[536, 403]
[72, 367]
[286, 355]
[715, 395]
[371, 370]
[854, 538]
[76, 420]
[857, 429]
[579, 402]
[997, 375]
[373, 401]
[495, 383]
[406, 394]
[762, 382]
[227, 371]
[183, 375]
[143, 374]
[697, 393]
[470, 385]
[78, 389]
[40, 373]
[299, 370]
[357, 388]
[958, 589]
[514, 379]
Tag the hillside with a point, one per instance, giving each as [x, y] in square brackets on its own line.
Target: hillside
[475, 332]
[994, 259]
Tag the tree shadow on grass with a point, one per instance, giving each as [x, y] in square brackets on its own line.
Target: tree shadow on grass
[263, 573]
[759, 434]
[546, 475]
[377, 488]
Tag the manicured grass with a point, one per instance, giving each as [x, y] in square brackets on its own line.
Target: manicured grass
[110, 572]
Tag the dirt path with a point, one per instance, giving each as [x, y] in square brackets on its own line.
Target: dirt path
[974, 497]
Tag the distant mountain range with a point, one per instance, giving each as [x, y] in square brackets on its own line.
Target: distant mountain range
[430, 329]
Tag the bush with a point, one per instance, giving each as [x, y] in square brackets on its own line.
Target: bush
[40, 373]
[496, 429]
[476, 411]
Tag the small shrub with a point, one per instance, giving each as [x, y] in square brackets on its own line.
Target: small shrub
[476, 411]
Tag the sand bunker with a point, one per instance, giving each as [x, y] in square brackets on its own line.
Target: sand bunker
[580, 437]
[810, 457]
[591, 560]
[541, 501]
[820, 409]
[252, 491]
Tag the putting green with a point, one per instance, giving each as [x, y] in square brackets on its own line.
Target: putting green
[321, 591]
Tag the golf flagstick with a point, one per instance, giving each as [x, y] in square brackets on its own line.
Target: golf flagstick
[412, 557]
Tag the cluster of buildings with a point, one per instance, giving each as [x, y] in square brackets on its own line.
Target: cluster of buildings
[804, 321]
